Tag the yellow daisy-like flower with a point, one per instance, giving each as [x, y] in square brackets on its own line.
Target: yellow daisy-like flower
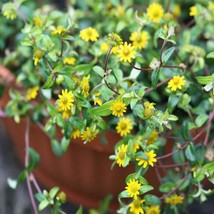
[149, 109]
[37, 21]
[89, 134]
[104, 47]
[151, 159]
[133, 188]
[177, 82]
[136, 144]
[32, 93]
[60, 30]
[139, 39]
[118, 108]
[149, 105]
[66, 100]
[85, 86]
[121, 154]
[155, 12]
[124, 126]
[176, 11]
[193, 11]
[69, 61]
[136, 206]
[152, 137]
[75, 133]
[97, 100]
[126, 52]
[65, 113]
[174, 200]
[153, 210]
[89, 34]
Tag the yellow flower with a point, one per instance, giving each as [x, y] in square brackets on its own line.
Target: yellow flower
[153, 210]
[118, 108]
[37, 21]
[120, 11]
[133, 188]
[89, 134]
[136, 206]
[136, 144]
[139, 39]
[66, 100]
[124, 126]
[97, 100]
[151, 159]
[69, 61]
[75, 133]
[104, 47]
[121, 154]
[155, 12]
[85, 86]
[149, 109]
[174, 200]
[66, 114]
[152, 137]
[149, 105]
[193, 11]
[37, 55]
[177, 11]
[60, 30]
[32, 93]
[126, 52]
[177, 82]
[89, 34]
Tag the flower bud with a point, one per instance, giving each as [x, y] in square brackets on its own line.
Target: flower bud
[61, 196]
[59, 79]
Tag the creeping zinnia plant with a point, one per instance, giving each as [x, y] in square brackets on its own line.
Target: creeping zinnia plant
[136, 76]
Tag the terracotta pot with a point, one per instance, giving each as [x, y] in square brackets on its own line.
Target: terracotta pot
[83, 172]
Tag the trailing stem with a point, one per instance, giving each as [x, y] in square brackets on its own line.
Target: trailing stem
[27, 145]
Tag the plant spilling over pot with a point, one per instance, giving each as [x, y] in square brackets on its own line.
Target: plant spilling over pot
[141, 70]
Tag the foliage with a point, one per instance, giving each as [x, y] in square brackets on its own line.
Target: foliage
[141, 70]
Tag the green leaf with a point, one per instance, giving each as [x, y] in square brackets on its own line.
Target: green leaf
[178, 157]
[49, 82]
[124, 194]
[80, 210]
[210, 55]
[152, 199]
[167, 54]
[69, 82]
[83, 67]
[146, 188]
[155, 77]
[43, 204]
[64, 144]
[103, 110]
[135, 72]
[33, 159]
[185, 130]
[12, 183]
[99, 70]
[40, 197]
[56, 147]
[53, 192]
[204, 79]
[172, 102]
[166, 187]
[186, 183]
[190, 152]
[209, 167]
[201, 119]
[133, 102]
